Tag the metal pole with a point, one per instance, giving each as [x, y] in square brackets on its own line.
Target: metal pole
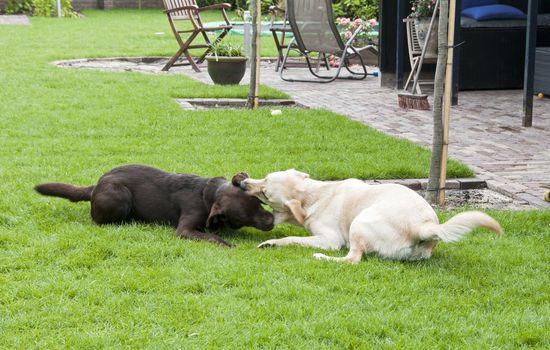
[58, 8]
[529, 72]
[246, 40]
[257, 37]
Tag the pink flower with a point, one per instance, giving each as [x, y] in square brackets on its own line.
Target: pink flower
[358, 21]
[347, 34]
[373, 22]
[345, 21]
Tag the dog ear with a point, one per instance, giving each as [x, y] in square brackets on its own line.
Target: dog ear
[236, 180]
[216, 218]
[296, 209]
[302, 174]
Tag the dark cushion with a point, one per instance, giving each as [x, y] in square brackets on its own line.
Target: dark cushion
[483, 13]
[474, 3]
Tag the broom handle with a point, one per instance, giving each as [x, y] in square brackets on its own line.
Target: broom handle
[425, 47]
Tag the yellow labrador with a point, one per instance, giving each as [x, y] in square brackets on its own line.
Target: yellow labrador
[390, 220]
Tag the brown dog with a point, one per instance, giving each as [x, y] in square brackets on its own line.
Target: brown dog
[188, 202]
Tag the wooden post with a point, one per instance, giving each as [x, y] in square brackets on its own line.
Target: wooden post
[447, 101]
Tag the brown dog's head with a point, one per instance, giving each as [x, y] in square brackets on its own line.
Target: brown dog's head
[282, 191]
[234, 208]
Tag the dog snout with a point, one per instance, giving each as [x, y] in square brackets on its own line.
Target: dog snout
[242, 185]
[267, 223]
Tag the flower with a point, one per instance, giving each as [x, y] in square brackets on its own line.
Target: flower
[347, 27]
[422, 8]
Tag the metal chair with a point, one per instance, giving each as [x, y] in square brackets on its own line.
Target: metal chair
[312, 23]
[187, 11]
[279, 27]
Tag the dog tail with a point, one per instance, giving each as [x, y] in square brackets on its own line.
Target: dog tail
[70, 192]
[459, 226]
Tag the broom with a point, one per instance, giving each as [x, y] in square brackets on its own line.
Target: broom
[411, 99]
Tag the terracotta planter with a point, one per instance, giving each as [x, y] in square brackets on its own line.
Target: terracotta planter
[422, 24]
[226, 70]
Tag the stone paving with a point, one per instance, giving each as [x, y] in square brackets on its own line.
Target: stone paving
[485, 129]
[14, 19]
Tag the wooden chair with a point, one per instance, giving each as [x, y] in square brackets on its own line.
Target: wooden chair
[187, 11]
[415, 50]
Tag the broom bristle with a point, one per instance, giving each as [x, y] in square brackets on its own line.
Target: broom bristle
[408, 100]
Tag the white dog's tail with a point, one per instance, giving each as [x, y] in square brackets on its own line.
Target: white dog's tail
[458, 226]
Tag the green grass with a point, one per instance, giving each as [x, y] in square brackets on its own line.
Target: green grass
[66, 283]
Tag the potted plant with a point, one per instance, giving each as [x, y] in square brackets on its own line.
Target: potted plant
[226, 63]
[422, 11]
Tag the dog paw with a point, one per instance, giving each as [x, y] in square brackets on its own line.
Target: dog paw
[266, 244]
[320, 256]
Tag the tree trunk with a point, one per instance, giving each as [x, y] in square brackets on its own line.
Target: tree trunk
[252, 91]
[439, 83]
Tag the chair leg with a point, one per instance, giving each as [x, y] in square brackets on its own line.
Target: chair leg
[184, 50]
[279, 50]
[173, 60]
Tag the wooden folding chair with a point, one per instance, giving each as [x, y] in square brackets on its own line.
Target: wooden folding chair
[415, 50]
[187, 11]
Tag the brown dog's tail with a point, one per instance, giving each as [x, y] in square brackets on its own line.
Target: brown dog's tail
[70, 192]
[458, 226]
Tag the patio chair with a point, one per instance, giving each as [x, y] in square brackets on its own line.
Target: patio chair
[312, 23]
[415, 50]
[279, 27]
[187, 12]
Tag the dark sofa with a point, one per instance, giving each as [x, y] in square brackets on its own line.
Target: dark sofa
[493, 53]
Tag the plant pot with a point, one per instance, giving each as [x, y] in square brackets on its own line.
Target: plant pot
[422, 24]
[226, 70]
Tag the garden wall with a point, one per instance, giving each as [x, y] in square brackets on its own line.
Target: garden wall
[107, 4]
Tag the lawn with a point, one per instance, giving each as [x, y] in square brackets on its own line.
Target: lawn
[66, 283]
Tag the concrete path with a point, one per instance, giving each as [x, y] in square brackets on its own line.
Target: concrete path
[14, 19]
[485, 129]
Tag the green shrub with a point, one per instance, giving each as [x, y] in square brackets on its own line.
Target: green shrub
[236, 4]
[18, 6]
[365, 9]
[44, 8]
